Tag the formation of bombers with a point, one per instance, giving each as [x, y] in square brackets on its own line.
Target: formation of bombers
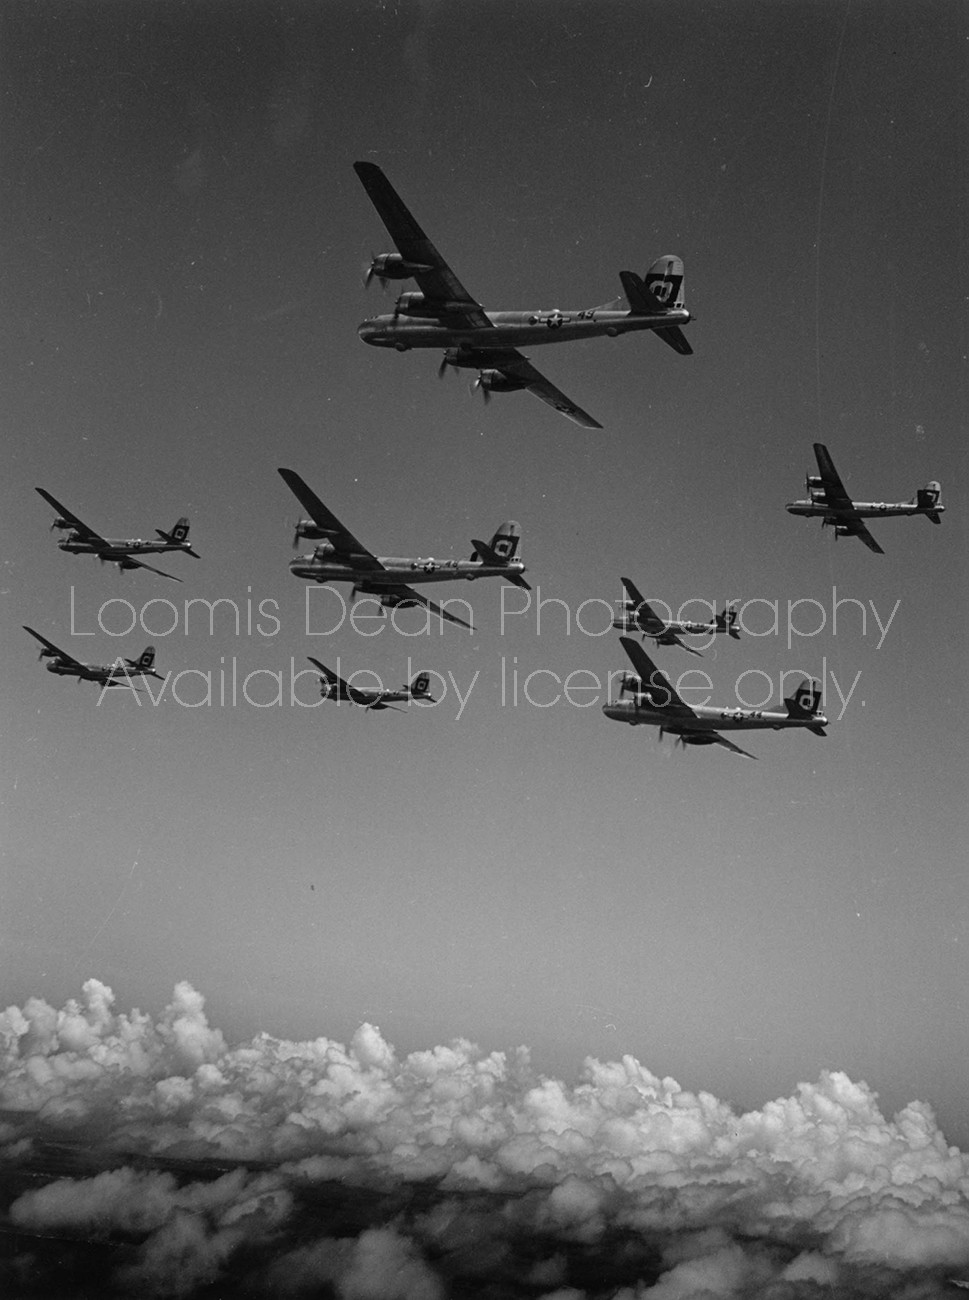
[441, 313]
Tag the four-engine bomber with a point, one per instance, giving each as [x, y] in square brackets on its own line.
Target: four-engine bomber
[441, 313]
[655, 703]
[339, 557]
[829, 501]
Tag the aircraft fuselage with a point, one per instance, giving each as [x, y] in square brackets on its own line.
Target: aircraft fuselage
[654, 628]
[708, 718]
[117, 549]
[91, 672]
[363, 698]
[861, 509]
[512, 329]
[396, 569]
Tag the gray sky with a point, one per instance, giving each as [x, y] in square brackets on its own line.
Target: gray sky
[185, 243]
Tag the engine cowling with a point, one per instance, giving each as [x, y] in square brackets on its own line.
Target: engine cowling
[496, 381]
[309, 531]
[410, 303]
[392, 266]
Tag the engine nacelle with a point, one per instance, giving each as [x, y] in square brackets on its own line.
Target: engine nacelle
[389, 601]
[392, 266]
[410, 304]
[813, 481]
[842, 530]
[324, 550]
[309, 530]
[496, 381]
[630, 682]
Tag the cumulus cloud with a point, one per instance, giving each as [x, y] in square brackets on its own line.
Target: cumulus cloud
[313, 1167]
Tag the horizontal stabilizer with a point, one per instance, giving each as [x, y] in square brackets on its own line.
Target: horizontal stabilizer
[643, 302]
[805, 703]
[488, 555]
[674, 336]
[929, 499]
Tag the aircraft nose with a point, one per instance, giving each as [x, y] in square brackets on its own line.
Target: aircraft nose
[366, 331]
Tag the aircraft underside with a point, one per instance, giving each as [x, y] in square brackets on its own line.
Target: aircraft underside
[403, 335]
[422, 572]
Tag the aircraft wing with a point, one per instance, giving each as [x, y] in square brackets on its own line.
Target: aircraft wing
[673, 638]
[837, 498]
[728, 744]
[49, 645]
[857, 529]
[655, 683]
[129, 562]
[643, 607]
[438, 283]
[346, 545]
[331, 678]
[78, 525]
[835, 494]
[511, 362]
[328, 675]
[408, 594]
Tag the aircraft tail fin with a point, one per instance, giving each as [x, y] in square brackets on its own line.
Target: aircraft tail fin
[929, 499]
[144, 661]
[178, 536]
[661, 291]
[727, 622]
[501, 550]
[804, 704]
[664, 281]
[503, 546]
[420, 688]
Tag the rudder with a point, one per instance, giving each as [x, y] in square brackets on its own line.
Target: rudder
[929, 499]
[506, 540]
[664, 280]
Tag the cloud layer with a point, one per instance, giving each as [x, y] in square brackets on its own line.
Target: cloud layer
[166, 1161]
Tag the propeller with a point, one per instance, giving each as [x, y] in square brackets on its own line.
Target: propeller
[296, 534]
[443, 367]
[372, 274]
[485, 392]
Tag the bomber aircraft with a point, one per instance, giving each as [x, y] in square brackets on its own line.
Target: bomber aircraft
[655, 703]
[441, 312]
[82, 540]
[339, 557]
[828, 499]
[117, 674]
[635, 614]
[333, 687]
